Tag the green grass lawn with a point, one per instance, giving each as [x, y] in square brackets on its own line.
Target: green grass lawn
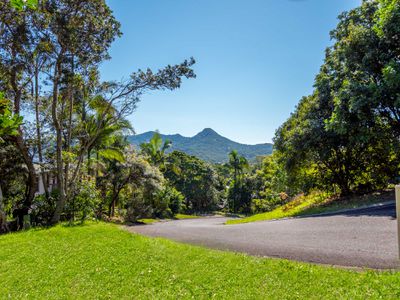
[290, 209]
[148, 221]
[316, 203]
[102, 261]
[176, 217]
[183, 217]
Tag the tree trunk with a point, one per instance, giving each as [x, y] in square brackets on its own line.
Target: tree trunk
[3, 218]
[88, 161]
[59, 161]
[38, 132]
[111, 209]
[31, 183]
[70, 111]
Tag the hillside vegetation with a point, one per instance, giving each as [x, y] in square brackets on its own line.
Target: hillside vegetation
[207, 145]
[101, 261]
[317, 203]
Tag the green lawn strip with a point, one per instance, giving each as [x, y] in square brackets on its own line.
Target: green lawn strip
[148, 221]
[183, 216]
[176, 217]
[316, 203]
[290, 209]
[101, 261]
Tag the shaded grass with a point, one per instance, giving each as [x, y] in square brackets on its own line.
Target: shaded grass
[101, 261]
[176, 217]
[316, 203]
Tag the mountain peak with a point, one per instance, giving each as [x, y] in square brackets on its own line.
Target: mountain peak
[207, 132]
[207, 145]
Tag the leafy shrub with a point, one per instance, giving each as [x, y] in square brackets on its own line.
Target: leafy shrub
[137, 208]
[85, 201]
[174, 198]
[265, 205]
[43, 208]
[162, 203]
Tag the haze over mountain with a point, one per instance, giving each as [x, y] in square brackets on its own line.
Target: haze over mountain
[207, 145]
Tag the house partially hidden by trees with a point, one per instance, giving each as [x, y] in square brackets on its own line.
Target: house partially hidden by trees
[46, 181]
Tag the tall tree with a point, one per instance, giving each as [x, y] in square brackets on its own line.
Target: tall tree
[18, 42]
[64, 41]
[155, 150]
[195, 179]
[238, 164]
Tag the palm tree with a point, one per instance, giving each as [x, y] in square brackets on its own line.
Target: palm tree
[155, 150]
[101, 129]
[238, 164]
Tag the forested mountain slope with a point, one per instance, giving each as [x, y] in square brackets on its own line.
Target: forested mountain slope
[207, 145]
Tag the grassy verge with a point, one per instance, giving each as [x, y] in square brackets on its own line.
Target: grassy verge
[316, 203]
[148, 221]
[101, 261]
[336, 204]
[176, 217]
[290, 209]
[183, 216]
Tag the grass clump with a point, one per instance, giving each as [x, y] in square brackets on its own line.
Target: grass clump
[101, 261]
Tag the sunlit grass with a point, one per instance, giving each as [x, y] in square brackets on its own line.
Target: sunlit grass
[183, 216]
[332, 204]
[294, 207]
[316, 203]
[176, 217]
[101, 261]
[148, 221]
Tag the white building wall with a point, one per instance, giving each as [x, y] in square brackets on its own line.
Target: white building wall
[40, 186]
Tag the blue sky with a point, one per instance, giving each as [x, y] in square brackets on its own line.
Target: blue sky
[255, 60]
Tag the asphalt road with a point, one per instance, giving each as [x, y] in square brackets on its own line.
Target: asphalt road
[364, 238]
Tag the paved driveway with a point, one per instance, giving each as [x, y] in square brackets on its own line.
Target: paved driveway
[366, 238]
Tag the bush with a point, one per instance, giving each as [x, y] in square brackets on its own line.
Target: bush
[42, 209]
[267, 204]
[174, 198]
[164, 203]
[137, 208]
[85, 202]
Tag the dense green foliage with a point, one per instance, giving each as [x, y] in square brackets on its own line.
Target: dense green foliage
[73, 148]
[101, 261]
[345, 136]
[341, 139]
[9, 122]
[195, 179]
[206, 145]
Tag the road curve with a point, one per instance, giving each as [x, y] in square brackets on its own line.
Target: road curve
[365, 238]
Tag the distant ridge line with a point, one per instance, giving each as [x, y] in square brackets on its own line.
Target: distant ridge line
[207, 145]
